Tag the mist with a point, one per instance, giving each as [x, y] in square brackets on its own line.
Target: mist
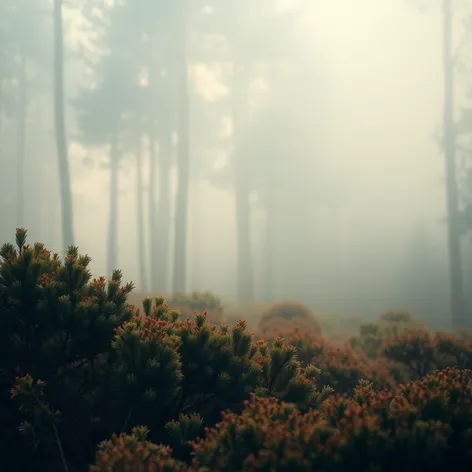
[313, 162]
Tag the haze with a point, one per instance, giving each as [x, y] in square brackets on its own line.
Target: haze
[342, 114]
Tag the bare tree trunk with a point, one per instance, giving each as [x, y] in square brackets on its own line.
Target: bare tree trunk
[1, 122]
[140, 216]
[454, 243]
[112, 247]
[152, 207]
[245, 282]
[269, 250]
[60, 128]
[164, 214]
[183, 161]
[196, 239]
[21, 137]
[244, 269]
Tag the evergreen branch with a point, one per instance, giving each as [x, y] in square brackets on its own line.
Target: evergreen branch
[45, 409]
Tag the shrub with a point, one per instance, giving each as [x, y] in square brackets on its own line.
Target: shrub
[56, 326]
[422, 352]
[166, 371]
[339, 366]
[291, 314]
[427, 426]
[372, 335]
[190, 304]
[135, 453]
[78, 364]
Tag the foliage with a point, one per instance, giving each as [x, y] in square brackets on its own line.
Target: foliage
[79, 364]
[372, 335]
[135, 452]
[189, 304]
[289, 313]
[427, 426]
[422, 352]
[339, 366]
[56, 324]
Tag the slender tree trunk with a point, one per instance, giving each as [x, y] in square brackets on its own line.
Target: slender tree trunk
[60, 128]
[269, 250]
[112, 246]
[152, 207]
[140, 216]
[196, 239]
[1, 120]
[245, 282]
[454, 243]
[183, 161]
[164, 213]
[244, 269]
[21, 137]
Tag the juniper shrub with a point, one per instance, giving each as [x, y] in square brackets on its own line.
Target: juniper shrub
[339, 366]
[426, 426]
[372, 335]
[422, 352]
[196, 302]
[289, 313]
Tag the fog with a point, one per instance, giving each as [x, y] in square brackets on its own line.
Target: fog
[330, 130]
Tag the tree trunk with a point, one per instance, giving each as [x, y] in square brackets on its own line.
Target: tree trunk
[244, 266]
[21, 137]
[454, 243]
[183, 161]
[112, 247]
[164, 214]
[60, 128]
[140, 216]
[196, 239]
[152, 207]
[269, 250]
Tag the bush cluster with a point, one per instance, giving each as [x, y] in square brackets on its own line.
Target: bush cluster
[372, 335]
[78, 364]
[422, 352]
[81, 367]
[339, 366]
[426, 426]
[291, 315]
[197, 302]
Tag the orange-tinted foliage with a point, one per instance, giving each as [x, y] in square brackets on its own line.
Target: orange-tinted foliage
[422, 352]
[289, 314]
[423, 428]
[340, 367]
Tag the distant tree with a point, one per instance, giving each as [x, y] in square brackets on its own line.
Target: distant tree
[183, 150]
[60, 128]
[451, 57]
[422, 288]
[106, 107]
[23, 57]
[268, 145]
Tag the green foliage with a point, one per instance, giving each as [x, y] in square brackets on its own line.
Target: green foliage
[372, 335]
[56, 326]
[422, 352]
[427, 426]
[195, 302]
[79, 364]
[338, 366]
